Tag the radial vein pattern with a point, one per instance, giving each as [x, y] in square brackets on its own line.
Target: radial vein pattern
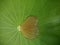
[13, 13]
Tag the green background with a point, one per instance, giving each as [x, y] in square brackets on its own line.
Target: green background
[14, 12]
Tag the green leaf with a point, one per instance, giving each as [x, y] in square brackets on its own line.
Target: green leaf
[14, 12]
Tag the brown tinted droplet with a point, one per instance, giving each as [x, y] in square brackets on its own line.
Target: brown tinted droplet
[29, 28]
